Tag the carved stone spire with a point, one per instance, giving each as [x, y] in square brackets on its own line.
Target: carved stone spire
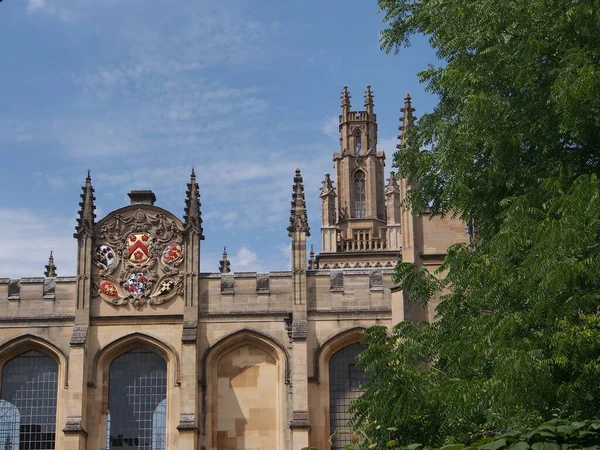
[224, 264]
[407, 120]
[87, 217]
[392, 184]
[192, 218]
[311, 259]
[327, 189]
[369, 100]
[50, 267]
[298, 217]
[346, 98]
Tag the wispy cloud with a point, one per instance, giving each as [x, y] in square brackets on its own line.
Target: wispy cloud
[331, 126]
[245, 260]
[28, 237]
[35, 5]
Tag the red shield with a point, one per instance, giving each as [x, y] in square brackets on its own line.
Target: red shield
[139, 247]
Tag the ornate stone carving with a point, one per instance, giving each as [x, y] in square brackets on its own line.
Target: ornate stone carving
[79, 335]
[138, 258]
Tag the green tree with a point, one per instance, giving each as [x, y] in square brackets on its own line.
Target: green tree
[514, 148]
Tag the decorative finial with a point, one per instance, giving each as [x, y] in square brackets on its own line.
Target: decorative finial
[192, 218]
[50, 267]
[298, 217]
[327, 189]
[311, 259]
[346, 98]
[224, 264]
[369, 99]
[407, 120]
[87, 217]
[392, 184]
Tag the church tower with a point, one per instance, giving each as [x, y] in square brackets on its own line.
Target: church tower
[354, 212]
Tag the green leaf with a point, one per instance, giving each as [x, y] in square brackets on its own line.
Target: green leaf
[494, 445]
[545, 446]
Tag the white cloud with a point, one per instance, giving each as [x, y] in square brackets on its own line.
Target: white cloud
[331, 127]
[244, 260]
[28, 237]
[35, 5]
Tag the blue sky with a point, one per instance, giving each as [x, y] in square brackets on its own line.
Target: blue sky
[139, 91]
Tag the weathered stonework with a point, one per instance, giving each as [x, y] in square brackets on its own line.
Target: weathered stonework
[247, 354]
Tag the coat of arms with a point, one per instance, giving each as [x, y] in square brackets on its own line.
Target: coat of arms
[138, 257]
[172, 253]
[105, 256]
[137, 284]
[139, 247]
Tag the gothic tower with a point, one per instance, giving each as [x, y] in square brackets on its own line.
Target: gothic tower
[354, 212]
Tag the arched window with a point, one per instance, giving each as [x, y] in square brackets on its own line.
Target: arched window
[345, 379]
[137, 401]
[359, 195]
[357, 143]
[28, 404]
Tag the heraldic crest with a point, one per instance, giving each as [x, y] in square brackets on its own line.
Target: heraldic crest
[137, 259]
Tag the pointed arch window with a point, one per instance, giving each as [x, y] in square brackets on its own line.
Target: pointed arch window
[357, 143]
[360, 207]
[137, 401]
[28, 404]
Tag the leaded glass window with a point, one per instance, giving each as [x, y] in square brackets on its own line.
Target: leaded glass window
[359, 195]
[357, 143]
[137, 401]
[345, 379]
[28, 404]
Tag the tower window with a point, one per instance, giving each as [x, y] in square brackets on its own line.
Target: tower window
[360, 206]
[357, 143]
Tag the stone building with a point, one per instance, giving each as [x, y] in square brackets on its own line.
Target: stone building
[139, 349]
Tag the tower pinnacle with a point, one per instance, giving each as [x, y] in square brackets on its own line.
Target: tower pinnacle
[224, 264]
[192, 218]
[298, 217]
[86, 219]
[50, 267]
[346, 98]
[369, 100]
[407, 120]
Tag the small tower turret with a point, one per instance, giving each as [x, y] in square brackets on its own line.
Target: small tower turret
[392, 204]
[328, 215]
[87, 217]
[369, 100]
[345, 103]
[224, 264]
[298, 217]
[50, 267]
[409, 220]
[192, 218]
[407, 120]
[311, 259]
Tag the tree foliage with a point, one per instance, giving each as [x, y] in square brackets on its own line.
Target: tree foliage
[515, 148]
[555, 434]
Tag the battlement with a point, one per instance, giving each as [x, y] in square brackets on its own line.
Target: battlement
[37, 297]
[358, 116]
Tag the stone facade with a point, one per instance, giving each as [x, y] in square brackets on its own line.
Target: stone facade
[247, 354]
